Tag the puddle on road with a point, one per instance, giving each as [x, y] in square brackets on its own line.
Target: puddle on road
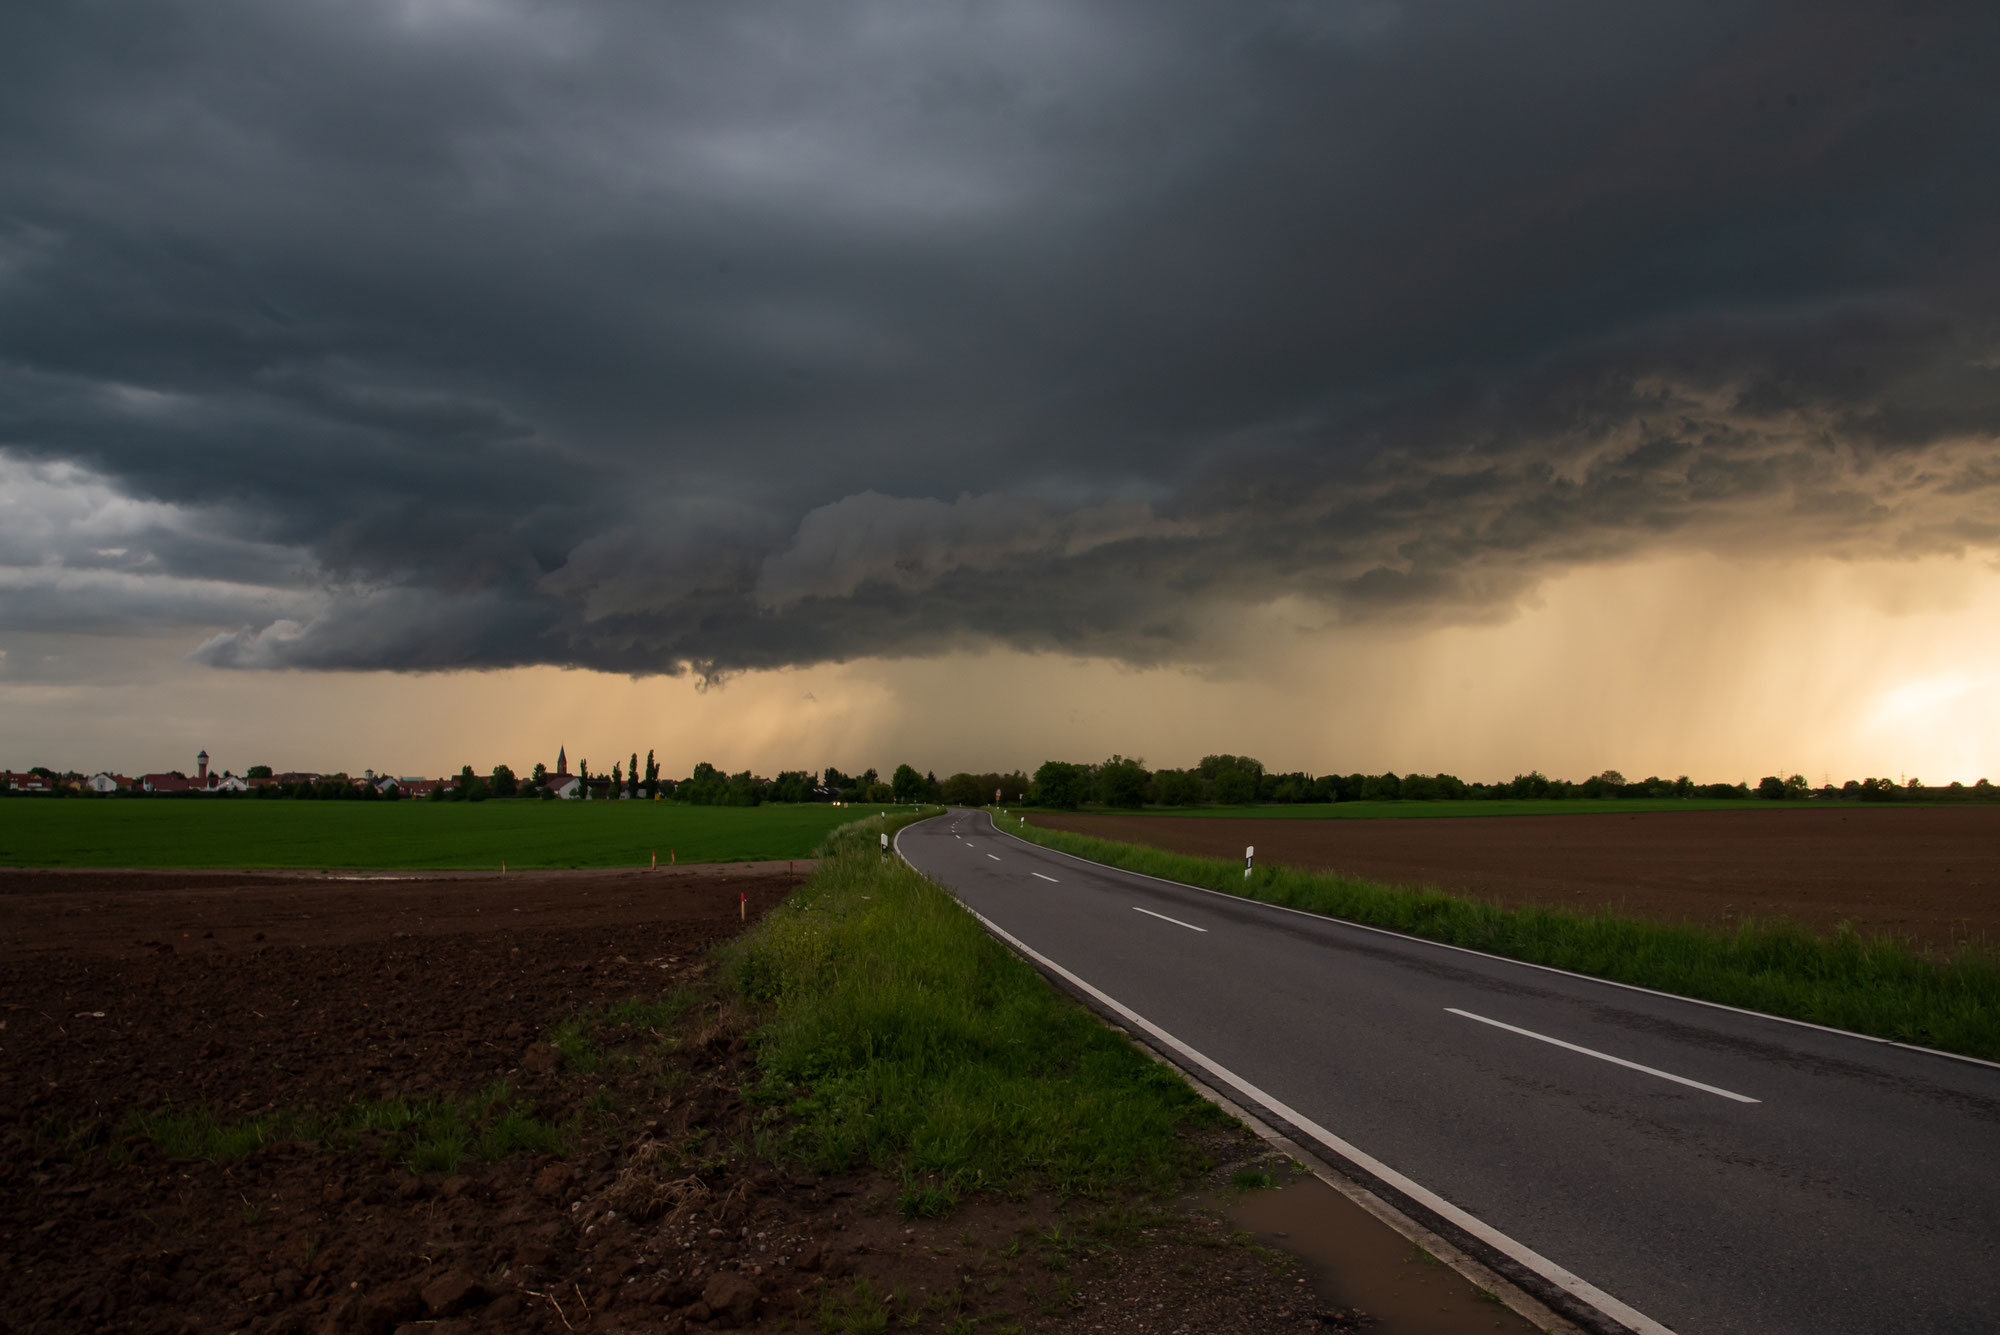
[1353, 1260]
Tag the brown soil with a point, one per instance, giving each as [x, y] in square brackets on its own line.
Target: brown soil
[124, 993]
[1931, 874]
[1348, 1251]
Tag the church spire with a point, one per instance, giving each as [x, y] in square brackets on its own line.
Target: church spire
[562, 761]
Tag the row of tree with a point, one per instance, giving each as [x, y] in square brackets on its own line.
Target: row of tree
[1121, 781]
[1231, 780]
[706, 785]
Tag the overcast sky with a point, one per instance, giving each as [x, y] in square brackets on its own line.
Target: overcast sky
[720, 343]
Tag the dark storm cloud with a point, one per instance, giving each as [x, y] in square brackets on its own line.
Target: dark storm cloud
[452, 333]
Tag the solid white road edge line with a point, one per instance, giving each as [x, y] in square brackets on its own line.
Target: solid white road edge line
[1504, 959]
[1050, 879]
[1164, 918]
[1635, 1320]
[1605, 1057]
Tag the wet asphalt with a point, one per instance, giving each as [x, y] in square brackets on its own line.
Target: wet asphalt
[1859, 1192]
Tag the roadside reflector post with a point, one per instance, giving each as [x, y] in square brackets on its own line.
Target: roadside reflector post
[743, 905]
[670, 857]
[885, 845]
[1249, 853]
[656, 857]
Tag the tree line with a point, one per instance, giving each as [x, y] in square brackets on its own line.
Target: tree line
[1121, 781]
[708, 785]
[1229, 780]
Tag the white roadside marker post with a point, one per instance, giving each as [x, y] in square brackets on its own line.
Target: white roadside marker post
[885, 845]
[1249, 853]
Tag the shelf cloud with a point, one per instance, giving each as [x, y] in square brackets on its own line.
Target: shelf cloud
[668, 339]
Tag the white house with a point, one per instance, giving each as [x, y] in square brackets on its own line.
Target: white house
[562, 783]
[106, 782]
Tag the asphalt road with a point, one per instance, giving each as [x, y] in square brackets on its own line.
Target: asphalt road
[1683, 1167]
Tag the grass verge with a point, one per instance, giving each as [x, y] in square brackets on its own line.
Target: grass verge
[1870, 985]
[897, 1033]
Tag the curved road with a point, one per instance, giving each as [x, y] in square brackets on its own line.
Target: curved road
[1681, 1167]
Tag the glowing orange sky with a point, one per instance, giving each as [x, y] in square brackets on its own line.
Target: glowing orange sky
[1688, 665]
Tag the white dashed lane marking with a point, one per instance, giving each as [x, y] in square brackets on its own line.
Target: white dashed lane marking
[1164, 918]
[1605, 1057]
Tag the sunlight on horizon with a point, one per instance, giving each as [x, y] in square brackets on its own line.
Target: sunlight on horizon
[1723, 671]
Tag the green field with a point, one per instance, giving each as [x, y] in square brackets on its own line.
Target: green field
[38, 832]
[1581, 806]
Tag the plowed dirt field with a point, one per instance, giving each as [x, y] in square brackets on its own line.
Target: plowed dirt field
[1927, 873]
[346, 1012]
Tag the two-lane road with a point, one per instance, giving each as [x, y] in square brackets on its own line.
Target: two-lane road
[1681, 1166]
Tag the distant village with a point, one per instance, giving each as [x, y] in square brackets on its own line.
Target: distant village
[628, 780]
[208, 779]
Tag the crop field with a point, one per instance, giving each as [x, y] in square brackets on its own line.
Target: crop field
[404, 835]
[1925, 873]
[1940, 990]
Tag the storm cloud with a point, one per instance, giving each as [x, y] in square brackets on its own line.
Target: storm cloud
[429, 334]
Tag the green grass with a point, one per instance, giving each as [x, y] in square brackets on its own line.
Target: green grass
[435, 1135]
[575, 1039]
[1869, 985]
[858, 1311]
[426, 1135]
[197, 1134]
[899, 1034]
[526, 834]
[1580, 806]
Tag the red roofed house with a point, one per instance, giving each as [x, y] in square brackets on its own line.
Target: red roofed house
[202, 781]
